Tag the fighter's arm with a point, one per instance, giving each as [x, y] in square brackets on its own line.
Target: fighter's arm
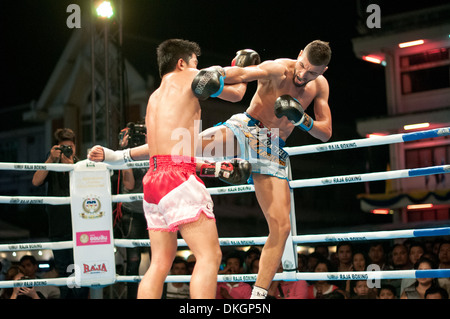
[99, 154]
[128, 179]
[237, 78]
[233, 92]
[263, 71]
[322, 128]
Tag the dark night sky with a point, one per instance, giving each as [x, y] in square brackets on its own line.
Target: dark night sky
[34, 34]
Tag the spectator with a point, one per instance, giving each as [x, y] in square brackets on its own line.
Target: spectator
[444, 263]
[322, 250]
[30, 267]
[400, 258]
[11, 274]
[387, 292]
[25, 292]
[302, 261]
[288, 289]
[251, 254]
[254, 266]
[313, 259]
[436, 245]
[377, 255]
[344, 255]
[231, 290]
[130, 215]
[416, 250]
[344, 252]
[436, 293]
[399, 261]
[321, 287]
[360, 290]
[359, 263]
[177, 290]
[190, 264]
[59, 216]
[419, 287]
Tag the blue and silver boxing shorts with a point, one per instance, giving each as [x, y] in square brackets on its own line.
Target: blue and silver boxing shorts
[259, 145]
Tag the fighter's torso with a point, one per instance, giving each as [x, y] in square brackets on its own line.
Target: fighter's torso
[172, 113]
[262, 104]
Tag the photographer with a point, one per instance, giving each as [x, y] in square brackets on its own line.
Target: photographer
[59, 216]
[130, 215]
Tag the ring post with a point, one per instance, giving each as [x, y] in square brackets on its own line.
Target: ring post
[90, 189]
[289, 258]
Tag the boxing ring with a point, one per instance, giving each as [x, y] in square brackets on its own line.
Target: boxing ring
[93, 242]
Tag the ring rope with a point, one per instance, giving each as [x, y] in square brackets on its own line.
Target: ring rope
[301, 239]
[57, 167]
[370, 141]
[297, 150]
[369, 177]
[311, 182]
[292, 276]
[286, 276]
[37, 246]
[248, 241]
[44, 200]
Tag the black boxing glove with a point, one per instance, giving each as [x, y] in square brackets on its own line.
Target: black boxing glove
[245, 58]
[234, 172]
[287, 106]
[208, 82]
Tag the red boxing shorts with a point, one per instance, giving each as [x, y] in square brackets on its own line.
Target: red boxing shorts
[174, 194]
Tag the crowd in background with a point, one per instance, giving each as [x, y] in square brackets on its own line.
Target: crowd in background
[430, 253]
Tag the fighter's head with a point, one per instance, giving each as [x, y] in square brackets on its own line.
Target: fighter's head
[175, 52]
[311, 62]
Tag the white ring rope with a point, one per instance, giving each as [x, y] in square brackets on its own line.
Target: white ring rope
[43, 200]
[250, 241]
[37, 246]
[297, 150]
[302, 239]
[321, 181]
[366, 142]
[37, 167]
[287, 275]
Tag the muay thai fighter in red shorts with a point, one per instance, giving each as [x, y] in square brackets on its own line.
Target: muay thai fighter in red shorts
[175, 198]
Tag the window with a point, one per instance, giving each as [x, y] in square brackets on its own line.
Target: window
[428, 156]
[429, 215]
[431, 155]
[425, 71]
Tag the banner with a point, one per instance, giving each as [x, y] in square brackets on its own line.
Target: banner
[90, 188]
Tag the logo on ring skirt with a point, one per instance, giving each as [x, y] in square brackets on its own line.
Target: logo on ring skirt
[91, 207]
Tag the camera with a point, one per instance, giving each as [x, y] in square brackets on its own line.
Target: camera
[66, 150]
[26, 278]
[133, 135]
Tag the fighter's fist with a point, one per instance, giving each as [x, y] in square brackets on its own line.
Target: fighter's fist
[245, 58]
[102, 154]
[208, 82]
[287, 106]
[96, 154]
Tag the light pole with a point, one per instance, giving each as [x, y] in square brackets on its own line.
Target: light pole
[107, 71]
